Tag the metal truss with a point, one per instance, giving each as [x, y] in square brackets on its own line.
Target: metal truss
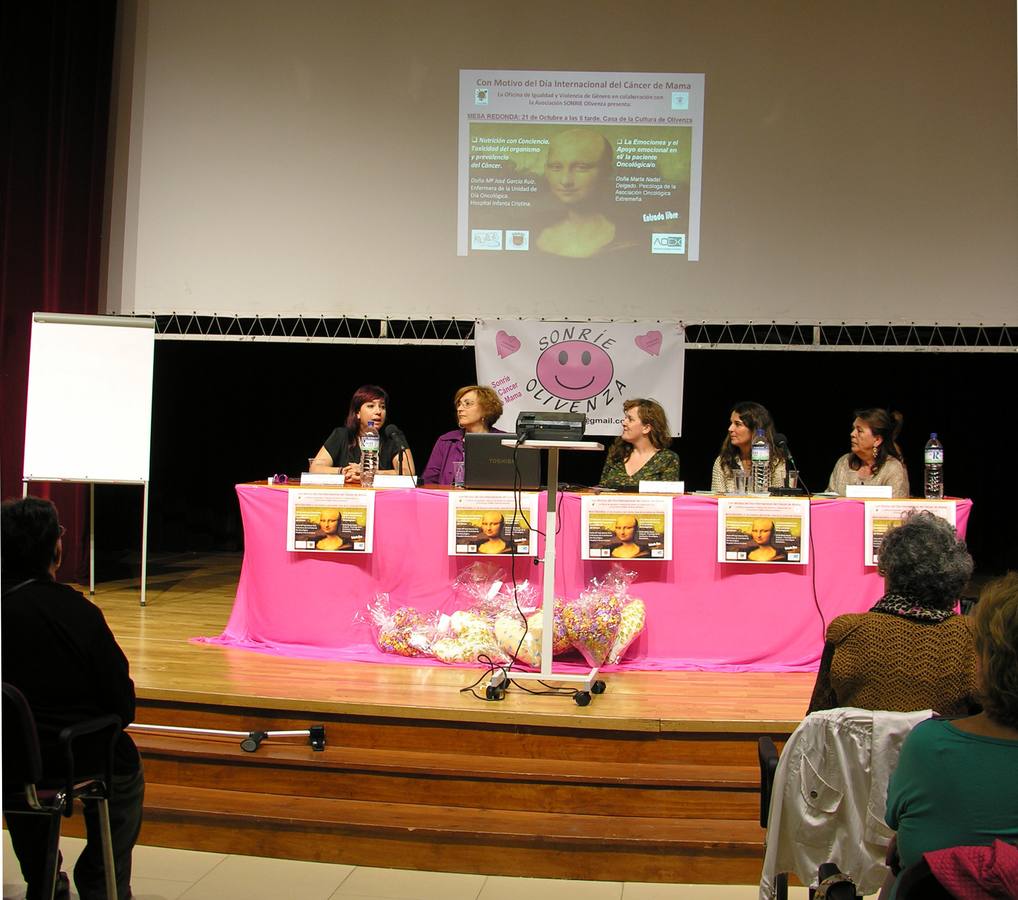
[915, 337]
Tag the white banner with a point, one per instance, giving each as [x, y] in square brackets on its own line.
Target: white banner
[585, 367]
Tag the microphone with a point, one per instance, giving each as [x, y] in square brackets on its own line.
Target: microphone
[781, 444]
[399, 439]
[393, 433]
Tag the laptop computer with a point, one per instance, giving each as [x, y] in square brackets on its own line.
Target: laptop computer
[490, 465]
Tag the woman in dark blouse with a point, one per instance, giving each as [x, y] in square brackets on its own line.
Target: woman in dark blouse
[641, 452]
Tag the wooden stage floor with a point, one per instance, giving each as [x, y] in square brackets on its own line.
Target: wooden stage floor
[191, 596]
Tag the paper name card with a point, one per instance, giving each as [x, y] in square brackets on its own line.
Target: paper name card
[662, 487]
[875, 491]
[320, 478]
[395, 481]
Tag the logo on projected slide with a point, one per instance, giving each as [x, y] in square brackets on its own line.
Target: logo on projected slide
[662, 242]
[517, 240]
[680, 99]
[485, 239]
[480, 96]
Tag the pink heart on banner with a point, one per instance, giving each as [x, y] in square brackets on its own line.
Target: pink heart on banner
[507, 345]
[650, 342]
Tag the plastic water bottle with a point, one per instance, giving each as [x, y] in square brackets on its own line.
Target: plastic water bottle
[369, 454]
[933, 456]
[760, 471]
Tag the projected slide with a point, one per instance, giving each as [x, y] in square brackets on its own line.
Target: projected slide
[580, 164]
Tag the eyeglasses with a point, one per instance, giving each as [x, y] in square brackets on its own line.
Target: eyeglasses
[466, 404]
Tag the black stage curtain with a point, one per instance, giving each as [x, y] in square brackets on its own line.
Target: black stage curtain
[56, 61]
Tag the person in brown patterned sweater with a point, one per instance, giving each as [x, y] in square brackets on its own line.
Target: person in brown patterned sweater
[910, 651]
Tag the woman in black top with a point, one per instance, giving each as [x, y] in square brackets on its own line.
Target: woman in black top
[341, 452]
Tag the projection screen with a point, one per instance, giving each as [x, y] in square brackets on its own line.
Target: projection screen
[304, 158]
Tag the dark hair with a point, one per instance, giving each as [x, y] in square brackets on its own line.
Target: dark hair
[651, 413]
[487, 399]
[754, 416]
[995, 621]
[31, 529]
[923, 560]
[364, 394]
[884, 424]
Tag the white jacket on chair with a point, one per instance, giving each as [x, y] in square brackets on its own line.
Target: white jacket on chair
[829, 794]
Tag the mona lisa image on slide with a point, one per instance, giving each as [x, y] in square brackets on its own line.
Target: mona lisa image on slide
[763, 532]
[626, 528]
[329, 521]
[492, 523]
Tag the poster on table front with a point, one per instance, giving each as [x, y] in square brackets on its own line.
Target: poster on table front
[763, 531]
[492, 523]
[883, 516]
[329, 521]
[629, 527]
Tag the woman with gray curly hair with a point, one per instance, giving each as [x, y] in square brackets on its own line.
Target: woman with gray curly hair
[910, 651]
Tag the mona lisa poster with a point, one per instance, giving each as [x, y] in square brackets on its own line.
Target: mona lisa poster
[492, 523]
[763, 532]
[629, 527]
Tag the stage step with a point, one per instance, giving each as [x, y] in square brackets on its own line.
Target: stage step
[551, 785]
[406, 835]
[576, 798]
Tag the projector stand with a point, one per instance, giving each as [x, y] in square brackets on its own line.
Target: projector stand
[587, 684]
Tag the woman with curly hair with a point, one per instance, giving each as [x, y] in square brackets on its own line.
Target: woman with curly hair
[875, 457]
[955, 784]
[910, 651]
[641, 452]
[736, 448]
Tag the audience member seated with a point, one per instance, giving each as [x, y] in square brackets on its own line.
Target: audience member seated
[60, 653]
[956, 783]
[910, 651]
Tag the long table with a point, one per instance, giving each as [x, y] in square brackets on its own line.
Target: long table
[701, 614]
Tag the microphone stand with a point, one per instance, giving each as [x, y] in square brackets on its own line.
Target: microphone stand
[781, 444]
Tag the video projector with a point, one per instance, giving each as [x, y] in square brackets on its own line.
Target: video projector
[550, 426]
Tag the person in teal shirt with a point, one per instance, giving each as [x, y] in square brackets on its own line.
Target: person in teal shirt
[956, 783]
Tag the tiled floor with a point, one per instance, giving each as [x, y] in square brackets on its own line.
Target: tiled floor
[161, 874]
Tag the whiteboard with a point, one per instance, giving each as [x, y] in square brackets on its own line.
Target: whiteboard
[89, 398]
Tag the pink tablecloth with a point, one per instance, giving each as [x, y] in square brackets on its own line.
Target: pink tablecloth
[700, 614]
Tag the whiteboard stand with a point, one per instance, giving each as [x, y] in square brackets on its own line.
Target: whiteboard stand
[587, 684]
[91, 523]
[91, 375]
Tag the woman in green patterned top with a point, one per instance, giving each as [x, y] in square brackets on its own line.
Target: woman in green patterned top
[641, 453]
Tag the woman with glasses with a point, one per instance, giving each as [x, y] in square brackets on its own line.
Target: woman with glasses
[477, 410]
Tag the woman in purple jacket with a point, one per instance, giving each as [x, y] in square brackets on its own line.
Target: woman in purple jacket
[477, 409]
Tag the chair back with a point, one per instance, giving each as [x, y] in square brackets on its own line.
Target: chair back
[22, 757]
